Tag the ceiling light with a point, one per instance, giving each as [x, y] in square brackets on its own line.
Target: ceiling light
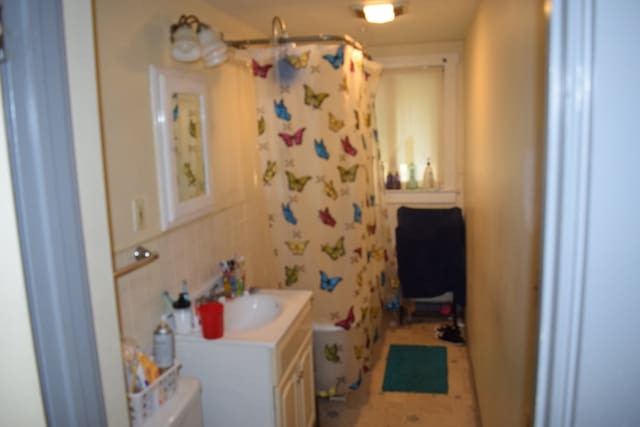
[378, 13]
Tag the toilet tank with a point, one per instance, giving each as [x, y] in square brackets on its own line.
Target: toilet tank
[184, 409]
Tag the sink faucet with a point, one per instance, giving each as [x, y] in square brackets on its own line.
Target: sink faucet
[218, 291]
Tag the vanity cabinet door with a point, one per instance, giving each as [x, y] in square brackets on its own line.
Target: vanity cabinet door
[306, 389]
[295, 396]
[295, 392]
[286, 401]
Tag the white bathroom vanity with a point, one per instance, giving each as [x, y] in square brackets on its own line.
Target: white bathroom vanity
[260, 373]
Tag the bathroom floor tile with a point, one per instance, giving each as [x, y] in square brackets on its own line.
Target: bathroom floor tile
[371, 407]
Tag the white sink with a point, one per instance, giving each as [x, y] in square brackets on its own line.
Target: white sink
[250, 311]
[260, 318]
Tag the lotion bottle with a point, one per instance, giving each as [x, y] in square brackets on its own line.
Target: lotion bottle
[428, 180]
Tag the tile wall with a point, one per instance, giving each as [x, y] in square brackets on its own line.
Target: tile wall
[191, 252]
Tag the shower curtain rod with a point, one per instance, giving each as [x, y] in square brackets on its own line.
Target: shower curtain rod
[280, 36]
[243, 44]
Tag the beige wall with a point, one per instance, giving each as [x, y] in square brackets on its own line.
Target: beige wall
[417, 49]
[130, 37]
[504, 139]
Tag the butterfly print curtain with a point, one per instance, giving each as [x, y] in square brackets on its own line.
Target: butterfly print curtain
[323, 185]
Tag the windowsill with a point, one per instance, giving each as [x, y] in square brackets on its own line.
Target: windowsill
[420, 196]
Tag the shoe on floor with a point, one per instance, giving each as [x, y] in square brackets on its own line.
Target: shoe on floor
[451, 335]
[443, 327]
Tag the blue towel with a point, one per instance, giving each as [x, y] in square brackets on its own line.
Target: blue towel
[430, 245]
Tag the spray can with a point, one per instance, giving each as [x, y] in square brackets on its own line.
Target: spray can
[163, 346]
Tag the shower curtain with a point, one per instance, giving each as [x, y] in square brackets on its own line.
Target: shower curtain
[317, 145]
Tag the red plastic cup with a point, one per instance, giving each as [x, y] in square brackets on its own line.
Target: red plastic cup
[212, 319]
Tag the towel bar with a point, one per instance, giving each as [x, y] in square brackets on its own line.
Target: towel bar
[142, 257]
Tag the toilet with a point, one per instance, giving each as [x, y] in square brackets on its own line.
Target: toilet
[184, 409]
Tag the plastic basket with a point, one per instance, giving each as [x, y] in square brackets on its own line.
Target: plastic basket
[144, 404]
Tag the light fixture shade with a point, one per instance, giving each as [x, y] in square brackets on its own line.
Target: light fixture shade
[379, 13]
[213, 49]
[185, 44]
[213, 60]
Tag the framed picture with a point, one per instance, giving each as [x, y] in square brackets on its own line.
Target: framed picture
[178, 105]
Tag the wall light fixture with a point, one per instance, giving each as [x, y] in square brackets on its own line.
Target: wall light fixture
[189, 44]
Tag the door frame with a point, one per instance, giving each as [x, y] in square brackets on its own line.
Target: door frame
[50, 99]
[565, 216]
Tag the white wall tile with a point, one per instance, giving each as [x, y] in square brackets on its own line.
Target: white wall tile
[191, 252]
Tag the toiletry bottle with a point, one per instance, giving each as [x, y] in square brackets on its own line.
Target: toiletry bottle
[226, 283]
[163, 346]
[428, 180]
[412, 184]
[240, 275]
[184, 294]
[396, 181]
[183, 314]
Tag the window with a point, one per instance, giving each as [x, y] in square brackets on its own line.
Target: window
[416, 113]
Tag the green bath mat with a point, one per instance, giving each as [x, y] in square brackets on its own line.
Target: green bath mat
[416, 369]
